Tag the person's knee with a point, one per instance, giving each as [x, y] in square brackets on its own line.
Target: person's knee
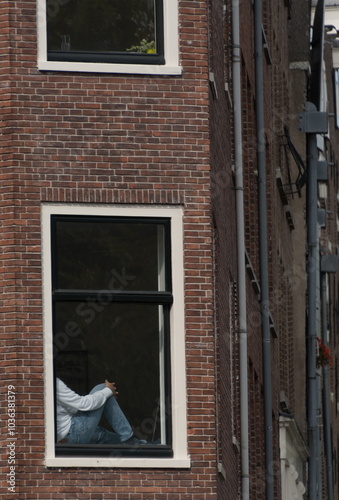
[98, 388]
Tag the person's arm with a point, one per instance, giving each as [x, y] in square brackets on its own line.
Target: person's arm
[67, 397]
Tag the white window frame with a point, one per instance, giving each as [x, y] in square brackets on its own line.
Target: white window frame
[171, 49]
[180, 457]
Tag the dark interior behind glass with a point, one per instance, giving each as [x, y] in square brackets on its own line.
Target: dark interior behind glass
[94, 30]
[111, 301]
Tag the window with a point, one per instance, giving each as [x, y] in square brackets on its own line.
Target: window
[111, 284]
[105, 30]
[108, 35]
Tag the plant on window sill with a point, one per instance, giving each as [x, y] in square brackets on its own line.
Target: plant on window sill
[144, 47]
[323, 355]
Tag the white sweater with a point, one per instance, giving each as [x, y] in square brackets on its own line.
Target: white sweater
[69, 403]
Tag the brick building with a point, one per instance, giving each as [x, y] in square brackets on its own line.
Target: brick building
[127, 162]
[93, 139]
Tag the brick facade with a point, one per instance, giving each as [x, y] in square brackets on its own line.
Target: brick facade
[103, 139]
[95, 139]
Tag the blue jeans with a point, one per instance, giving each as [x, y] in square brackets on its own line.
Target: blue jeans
[85, 424]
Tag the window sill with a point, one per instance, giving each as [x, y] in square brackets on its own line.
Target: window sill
[141, 69]
[125, 462]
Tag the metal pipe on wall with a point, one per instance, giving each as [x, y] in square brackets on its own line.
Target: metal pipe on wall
[238, 156]
[311, 341]
[326, 393]
[263, 252]
[312, 106]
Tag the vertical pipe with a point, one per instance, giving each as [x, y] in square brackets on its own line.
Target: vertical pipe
[311, 340]
[318, 440]
[263, 253]
[236, 67]
[313, 104]
[326, 395]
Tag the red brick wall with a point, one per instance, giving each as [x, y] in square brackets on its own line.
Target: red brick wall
[225, 272]
[89, 138]
[125, 139]
[279, 236]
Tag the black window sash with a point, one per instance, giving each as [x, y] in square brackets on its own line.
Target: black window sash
[115, 219]
[161, 298]
[119, 57]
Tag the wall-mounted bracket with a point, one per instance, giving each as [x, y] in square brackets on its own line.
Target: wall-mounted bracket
[322, 171]
[329, 263]
[313, 121]
[321, 216]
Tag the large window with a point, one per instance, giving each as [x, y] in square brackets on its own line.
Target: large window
[108, 35]
[109, 303]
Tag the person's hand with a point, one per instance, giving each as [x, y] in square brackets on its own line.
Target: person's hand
[111, 385]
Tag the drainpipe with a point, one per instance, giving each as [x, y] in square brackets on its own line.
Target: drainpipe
[236, 55]
[311, 341]
[326, 393]
[263, 254]
[312, 108]
[312, 122]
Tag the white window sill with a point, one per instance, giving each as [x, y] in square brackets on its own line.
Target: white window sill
[141, 69]
[118, 462]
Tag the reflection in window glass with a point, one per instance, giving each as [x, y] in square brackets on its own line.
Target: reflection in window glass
[108, 255]
[103, 26]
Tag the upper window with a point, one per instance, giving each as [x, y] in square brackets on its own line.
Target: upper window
[108, 35]
[110, 315]
[105, 31]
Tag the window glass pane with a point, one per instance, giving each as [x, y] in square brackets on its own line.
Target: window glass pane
[109, 256]
[123, 343]
[101, 25]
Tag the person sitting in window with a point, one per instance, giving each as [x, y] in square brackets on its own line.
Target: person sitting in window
[78, 416]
